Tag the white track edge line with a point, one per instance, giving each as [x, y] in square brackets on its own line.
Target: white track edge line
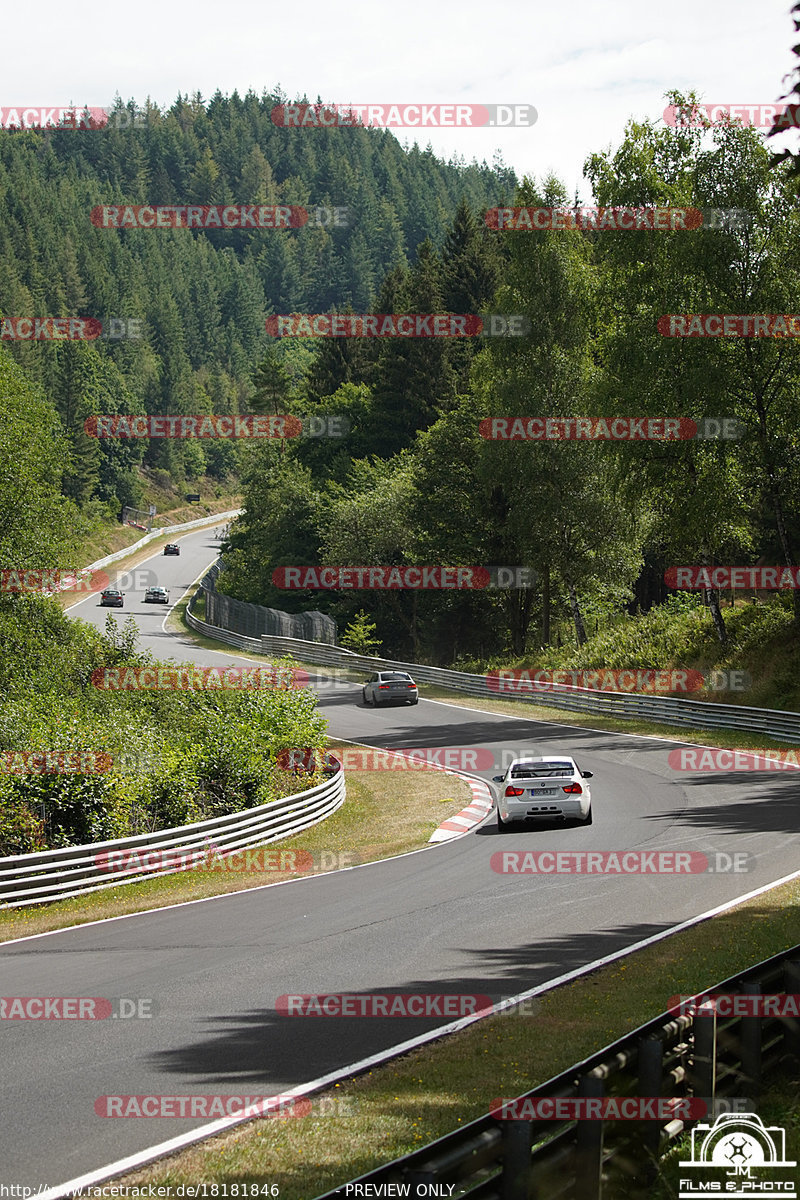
[225, 1123]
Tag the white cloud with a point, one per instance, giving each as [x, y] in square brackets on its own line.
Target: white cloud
[587, 67]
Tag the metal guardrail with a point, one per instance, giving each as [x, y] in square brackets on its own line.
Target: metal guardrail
[239, 640]
[75, 870]
[685, 1056]
[665, 710]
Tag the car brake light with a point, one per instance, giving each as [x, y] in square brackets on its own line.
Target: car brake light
[411, 685]
[574, 789]
[514, 791]
[383, 687]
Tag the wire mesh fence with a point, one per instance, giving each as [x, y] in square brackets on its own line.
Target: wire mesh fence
[255, 620]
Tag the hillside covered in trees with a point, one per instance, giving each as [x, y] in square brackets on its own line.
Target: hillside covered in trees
[599, 521]
[416, 480]
[201, 295]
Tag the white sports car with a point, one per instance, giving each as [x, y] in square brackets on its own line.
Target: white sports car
[552, 788]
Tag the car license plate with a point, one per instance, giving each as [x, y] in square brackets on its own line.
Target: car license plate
[543, 792]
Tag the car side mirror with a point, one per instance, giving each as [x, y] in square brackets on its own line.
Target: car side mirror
[498, 778]
[587, 774]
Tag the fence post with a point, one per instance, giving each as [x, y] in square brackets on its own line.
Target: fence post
[751, 1036]
[651, 1059]
[517, 1139]
[704, 1058]
[589, 1145]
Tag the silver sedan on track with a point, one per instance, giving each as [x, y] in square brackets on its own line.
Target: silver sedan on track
[552, 788]
[385, 687]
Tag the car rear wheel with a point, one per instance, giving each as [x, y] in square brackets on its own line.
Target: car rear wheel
[587, 820]
[415, 700]
[365, 698]
[502, 826]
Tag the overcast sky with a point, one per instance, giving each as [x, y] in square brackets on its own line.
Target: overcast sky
[586, 66]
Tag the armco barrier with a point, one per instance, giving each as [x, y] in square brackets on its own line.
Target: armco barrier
[664, 710]
[721, 1061]
[783, 726]
[76, 870]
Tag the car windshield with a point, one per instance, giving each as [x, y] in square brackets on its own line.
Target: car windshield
[395, 675]
[547, 770]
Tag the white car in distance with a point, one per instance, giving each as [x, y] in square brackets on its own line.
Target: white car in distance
[552, 788]
[384, 687]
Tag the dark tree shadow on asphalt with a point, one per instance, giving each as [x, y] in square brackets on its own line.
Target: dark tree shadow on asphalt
[770, 804]
[263, 1048]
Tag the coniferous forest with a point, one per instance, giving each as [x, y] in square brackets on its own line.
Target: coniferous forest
[414, 481]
